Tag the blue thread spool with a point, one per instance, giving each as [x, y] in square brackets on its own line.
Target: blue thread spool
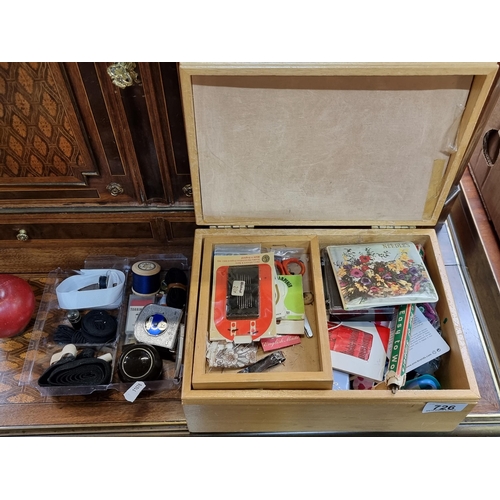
[145, 277]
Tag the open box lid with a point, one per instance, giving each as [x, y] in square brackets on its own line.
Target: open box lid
[328, 144]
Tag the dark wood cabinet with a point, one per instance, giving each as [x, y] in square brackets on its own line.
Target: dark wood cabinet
[70, 137]
[88, 167]
[485, 160]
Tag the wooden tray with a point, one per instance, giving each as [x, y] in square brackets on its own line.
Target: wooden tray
[307, 366]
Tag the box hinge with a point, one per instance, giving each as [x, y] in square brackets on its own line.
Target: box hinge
[394, 227]
[231, 227]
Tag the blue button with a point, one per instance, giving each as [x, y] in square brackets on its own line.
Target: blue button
[156, 324]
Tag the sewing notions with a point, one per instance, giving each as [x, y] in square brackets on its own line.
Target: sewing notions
[145, 277]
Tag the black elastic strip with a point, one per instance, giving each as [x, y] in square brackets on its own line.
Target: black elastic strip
[98, 327]
[64, 334]
[86, 371]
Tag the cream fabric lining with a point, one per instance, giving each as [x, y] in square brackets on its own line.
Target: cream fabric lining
[322, 148]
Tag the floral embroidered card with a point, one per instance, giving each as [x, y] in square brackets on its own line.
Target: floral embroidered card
[381, 274]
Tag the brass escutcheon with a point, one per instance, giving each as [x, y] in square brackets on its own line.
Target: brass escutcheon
[115, 189]
[123, 74]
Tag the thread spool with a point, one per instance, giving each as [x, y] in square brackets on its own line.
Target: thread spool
[139, 362]
[174, 286]
[75, 318]
[145, 277]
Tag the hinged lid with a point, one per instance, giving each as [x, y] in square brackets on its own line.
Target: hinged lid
[230, 227]
[328, 144]
[393, 227]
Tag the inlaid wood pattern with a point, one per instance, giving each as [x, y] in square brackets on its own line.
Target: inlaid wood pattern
[37, 136]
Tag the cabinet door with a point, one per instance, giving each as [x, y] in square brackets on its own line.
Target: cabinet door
[485, 160]
[490, 193]
[69, 136]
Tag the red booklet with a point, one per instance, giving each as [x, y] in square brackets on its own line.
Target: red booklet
[359, 348]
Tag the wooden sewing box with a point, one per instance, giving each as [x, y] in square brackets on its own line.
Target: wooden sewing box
[311, 155]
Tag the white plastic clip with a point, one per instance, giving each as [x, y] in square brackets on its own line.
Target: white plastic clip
[106, 357]
[68, 350]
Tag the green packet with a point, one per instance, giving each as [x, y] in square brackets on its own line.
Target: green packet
[289, 297]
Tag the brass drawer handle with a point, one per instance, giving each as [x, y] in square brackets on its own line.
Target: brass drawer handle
[22, 235]
[491, 147]
[123, 74]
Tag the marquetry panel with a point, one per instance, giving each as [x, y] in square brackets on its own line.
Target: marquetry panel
[40, 139]
[68, 135]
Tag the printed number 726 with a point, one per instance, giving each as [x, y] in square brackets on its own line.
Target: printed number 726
[444, 408]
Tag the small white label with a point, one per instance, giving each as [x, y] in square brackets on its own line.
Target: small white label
[443, 407]
[238, 288]
[134, 391]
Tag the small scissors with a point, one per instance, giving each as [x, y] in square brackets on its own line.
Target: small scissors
[282, 266]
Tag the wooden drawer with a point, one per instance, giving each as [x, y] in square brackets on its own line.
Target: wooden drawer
[115, 226]
[94, 230]
[264, 410]
[42, 242]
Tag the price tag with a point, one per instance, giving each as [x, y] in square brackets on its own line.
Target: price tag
[238, 288]
[443, 407]
[134, 391]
